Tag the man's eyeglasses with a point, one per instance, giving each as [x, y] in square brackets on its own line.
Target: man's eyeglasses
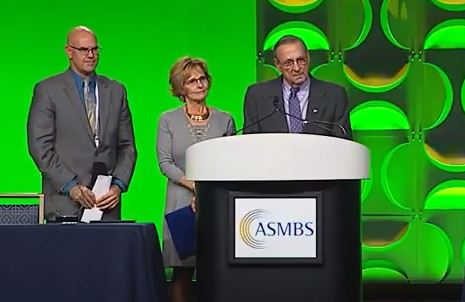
[86, 50]
[193, 81]
[288, 64]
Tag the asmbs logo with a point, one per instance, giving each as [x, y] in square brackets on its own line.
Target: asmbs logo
[255, 228]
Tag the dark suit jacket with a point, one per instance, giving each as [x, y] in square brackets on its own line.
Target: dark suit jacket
[327, 103]
[61, 143]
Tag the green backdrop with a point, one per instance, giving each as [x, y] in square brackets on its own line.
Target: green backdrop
[140, 41]
[402, 64]
[401, 61]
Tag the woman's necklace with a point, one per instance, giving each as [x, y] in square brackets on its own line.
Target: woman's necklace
[198, 117]
[198, 133]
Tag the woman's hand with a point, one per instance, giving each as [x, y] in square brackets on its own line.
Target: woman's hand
[193, 204]
[189, 184]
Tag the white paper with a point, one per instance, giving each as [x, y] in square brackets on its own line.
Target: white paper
[94, 214]
[101, 187]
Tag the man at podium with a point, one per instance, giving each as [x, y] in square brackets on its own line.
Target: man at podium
[296, 102]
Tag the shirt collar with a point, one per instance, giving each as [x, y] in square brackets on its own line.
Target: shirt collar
[79, 80]
[303, 87]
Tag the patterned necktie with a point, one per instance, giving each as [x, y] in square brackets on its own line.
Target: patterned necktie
[89, 101]
[295, 125]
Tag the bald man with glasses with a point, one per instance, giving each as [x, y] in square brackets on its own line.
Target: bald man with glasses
[78, 121]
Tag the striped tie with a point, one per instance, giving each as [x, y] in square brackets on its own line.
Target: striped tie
[89, 101]
[295, 125]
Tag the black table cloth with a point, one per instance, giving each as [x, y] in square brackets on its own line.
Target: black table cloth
[117, 262]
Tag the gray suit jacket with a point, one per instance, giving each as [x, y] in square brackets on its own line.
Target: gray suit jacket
[61, 143]
[327, 103]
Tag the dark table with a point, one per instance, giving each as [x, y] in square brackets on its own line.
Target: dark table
[117, 262]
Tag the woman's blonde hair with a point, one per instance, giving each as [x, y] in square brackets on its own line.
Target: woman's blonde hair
[182, 70]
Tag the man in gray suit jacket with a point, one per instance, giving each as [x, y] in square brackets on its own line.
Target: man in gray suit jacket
[78, 121]
[296, 102]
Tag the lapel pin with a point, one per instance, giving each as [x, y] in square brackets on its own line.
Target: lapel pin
[315, 110]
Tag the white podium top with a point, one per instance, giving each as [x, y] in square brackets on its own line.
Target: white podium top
[276, 157]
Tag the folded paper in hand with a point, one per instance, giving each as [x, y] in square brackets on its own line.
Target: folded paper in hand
[181, 224]
[101, 187]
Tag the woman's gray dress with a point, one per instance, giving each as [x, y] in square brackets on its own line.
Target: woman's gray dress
[175, 135]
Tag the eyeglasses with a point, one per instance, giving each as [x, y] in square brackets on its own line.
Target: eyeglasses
[202, 79]
[288, 64]
[86, 50]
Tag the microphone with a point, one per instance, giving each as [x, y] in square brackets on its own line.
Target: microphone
[343, 130]
[98, 168]
[276, 109]
[315, 123]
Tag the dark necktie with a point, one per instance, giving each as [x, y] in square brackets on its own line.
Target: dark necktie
[90, 103]
[295, 125]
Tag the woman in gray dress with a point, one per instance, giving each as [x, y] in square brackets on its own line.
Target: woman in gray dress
[178, 129]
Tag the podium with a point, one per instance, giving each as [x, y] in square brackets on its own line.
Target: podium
[278, 217]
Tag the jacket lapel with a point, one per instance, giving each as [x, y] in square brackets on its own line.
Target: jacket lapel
[104, 94]
[280, 117]
[75, 101]
[316, 105]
